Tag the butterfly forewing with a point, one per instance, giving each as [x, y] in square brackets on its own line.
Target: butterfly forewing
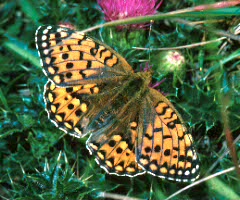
[92, 89]
[70, 58]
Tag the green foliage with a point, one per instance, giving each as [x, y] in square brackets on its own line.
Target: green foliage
[221, 190]
[38, 161]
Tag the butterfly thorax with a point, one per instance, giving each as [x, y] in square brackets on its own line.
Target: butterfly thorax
[136, 88]
[146, 76]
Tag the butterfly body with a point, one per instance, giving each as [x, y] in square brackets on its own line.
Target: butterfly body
[93, 90]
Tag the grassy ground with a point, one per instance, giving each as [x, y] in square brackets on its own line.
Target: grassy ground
[38, 161]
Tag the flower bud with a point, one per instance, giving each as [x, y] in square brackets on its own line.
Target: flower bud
[170, 62]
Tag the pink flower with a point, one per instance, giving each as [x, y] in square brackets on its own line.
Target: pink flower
[121, 9]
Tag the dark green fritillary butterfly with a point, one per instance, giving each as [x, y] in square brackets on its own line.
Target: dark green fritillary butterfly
[93, 90]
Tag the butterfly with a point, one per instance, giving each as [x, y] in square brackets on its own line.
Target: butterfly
[92, 90]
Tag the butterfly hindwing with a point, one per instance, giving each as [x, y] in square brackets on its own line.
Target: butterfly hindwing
[115, 151]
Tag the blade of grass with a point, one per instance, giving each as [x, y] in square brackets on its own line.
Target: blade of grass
[181, 47]
[227, 12]
[21, 50]
[221, 190]
[30, 10]
[3, 100]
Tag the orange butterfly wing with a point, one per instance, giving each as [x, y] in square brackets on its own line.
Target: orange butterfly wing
[71, 58]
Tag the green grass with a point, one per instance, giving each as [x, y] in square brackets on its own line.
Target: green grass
[38, 161]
